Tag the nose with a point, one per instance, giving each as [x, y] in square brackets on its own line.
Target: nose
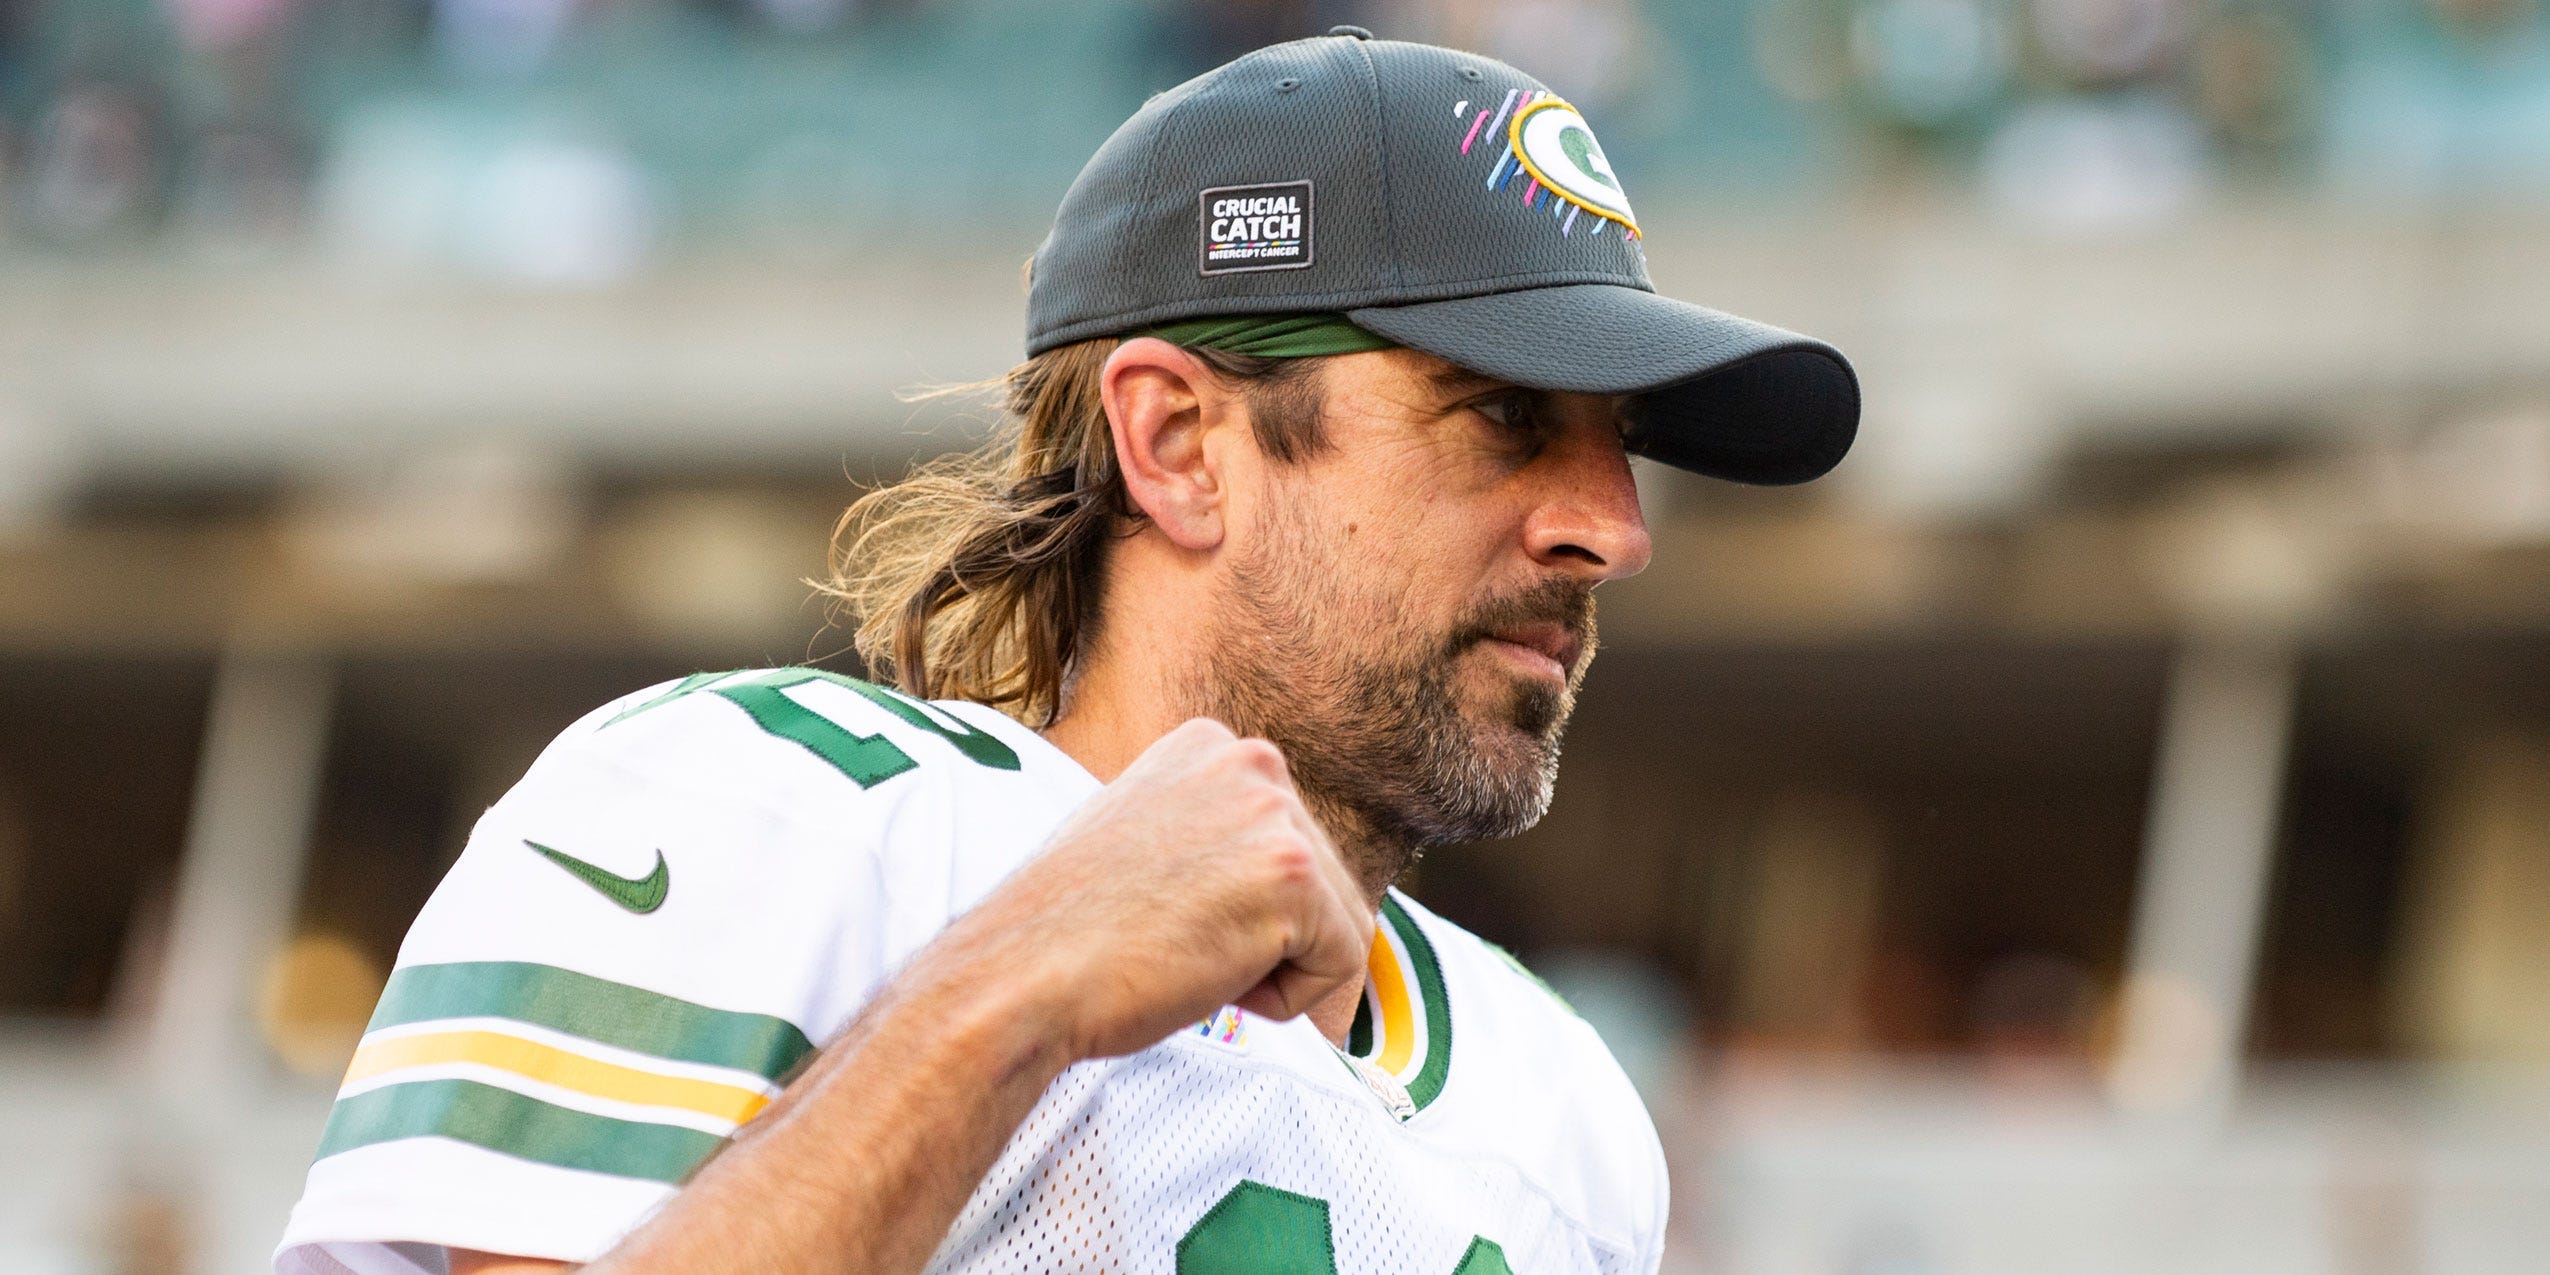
[1587, 521]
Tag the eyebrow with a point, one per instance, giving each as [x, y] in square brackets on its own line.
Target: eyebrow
[1454, 381]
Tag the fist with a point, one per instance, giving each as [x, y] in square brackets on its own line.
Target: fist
[1197, 879]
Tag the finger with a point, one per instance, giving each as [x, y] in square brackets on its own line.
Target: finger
[1333, 920]
[1263, 759]
[1196, 731]
[1274, 997]
[1324, 967]
[1345, 893]
[1192, 739]
[1282, 770]
[1333, 931]
[1328, 938]
[1287, 991]
[1205, 728]
[1306, 825]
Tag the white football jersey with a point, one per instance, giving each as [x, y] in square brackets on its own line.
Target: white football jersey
[696, 884]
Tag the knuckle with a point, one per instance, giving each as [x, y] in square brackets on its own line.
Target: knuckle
[1258, 754]
[1264, 801]
[1290, 860]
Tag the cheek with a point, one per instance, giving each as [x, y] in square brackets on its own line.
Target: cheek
[1362, 583]
[1415, 527]
[1441, 533]
[1416, 568]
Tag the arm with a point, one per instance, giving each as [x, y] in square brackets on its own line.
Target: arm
[1193, 881]
[871, 1152]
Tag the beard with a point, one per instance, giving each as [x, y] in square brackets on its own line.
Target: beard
[1369, 711]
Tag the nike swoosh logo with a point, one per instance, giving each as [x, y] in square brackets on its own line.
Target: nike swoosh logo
[638, 894]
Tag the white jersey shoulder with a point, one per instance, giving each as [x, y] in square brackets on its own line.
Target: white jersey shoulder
[688, 889]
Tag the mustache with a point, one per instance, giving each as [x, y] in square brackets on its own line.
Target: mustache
[1557, 600]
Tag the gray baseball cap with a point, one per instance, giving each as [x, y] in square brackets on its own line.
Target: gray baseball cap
[1441, 200]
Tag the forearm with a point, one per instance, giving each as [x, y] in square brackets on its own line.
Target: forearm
[864, 1162]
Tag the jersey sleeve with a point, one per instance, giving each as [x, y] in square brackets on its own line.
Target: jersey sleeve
[638, 945]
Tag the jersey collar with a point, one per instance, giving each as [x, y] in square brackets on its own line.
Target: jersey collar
[1403, 1028]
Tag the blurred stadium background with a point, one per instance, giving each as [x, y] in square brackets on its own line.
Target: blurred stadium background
[2105, 828]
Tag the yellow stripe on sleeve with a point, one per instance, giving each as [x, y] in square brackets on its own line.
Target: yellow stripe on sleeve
[551, 1065]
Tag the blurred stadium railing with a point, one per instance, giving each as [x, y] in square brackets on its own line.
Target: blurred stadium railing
[2105, 828]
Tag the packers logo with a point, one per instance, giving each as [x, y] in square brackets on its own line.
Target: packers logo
[1555, 145]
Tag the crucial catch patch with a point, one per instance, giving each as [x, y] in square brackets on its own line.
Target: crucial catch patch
[1242, 228]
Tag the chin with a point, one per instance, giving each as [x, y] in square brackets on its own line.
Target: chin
[1536, 711]
[1520, 735]
[1512, 703]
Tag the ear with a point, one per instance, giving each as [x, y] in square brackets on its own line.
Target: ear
[1160, 401]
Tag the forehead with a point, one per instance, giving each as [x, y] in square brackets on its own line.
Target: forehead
[1402, 372]
[1417, 380]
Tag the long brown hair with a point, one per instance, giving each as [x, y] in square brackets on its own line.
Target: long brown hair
[979, 576]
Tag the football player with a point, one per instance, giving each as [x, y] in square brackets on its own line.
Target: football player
[1071, 943]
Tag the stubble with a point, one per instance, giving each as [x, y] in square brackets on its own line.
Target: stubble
[1325, 663]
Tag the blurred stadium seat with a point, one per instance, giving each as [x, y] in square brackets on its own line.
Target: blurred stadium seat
[2105, 828]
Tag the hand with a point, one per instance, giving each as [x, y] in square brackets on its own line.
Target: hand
[1197, 879]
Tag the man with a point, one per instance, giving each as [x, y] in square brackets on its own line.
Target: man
[1337, 356]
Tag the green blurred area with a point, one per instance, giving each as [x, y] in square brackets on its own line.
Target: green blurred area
[771, 125]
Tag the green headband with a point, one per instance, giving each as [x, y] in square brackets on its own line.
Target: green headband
[1271, 336]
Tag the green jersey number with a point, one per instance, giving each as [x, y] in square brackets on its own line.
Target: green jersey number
[867, 760]
[1256, 1229]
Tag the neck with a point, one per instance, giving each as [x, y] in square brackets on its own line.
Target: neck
[1377, 862]
[1107, 718]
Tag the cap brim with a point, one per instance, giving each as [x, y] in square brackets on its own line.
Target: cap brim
[1718, 395]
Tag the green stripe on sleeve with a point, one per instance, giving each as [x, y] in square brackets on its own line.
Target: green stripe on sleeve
[1438, 1010]
[526, 1128]
[596, 1009]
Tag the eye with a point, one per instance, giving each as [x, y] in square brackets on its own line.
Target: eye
[1517, 415]
[1510, 409]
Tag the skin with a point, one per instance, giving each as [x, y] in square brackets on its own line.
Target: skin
[1202, 874]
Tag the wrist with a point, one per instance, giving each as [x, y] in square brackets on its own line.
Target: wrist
[1007, 1011]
